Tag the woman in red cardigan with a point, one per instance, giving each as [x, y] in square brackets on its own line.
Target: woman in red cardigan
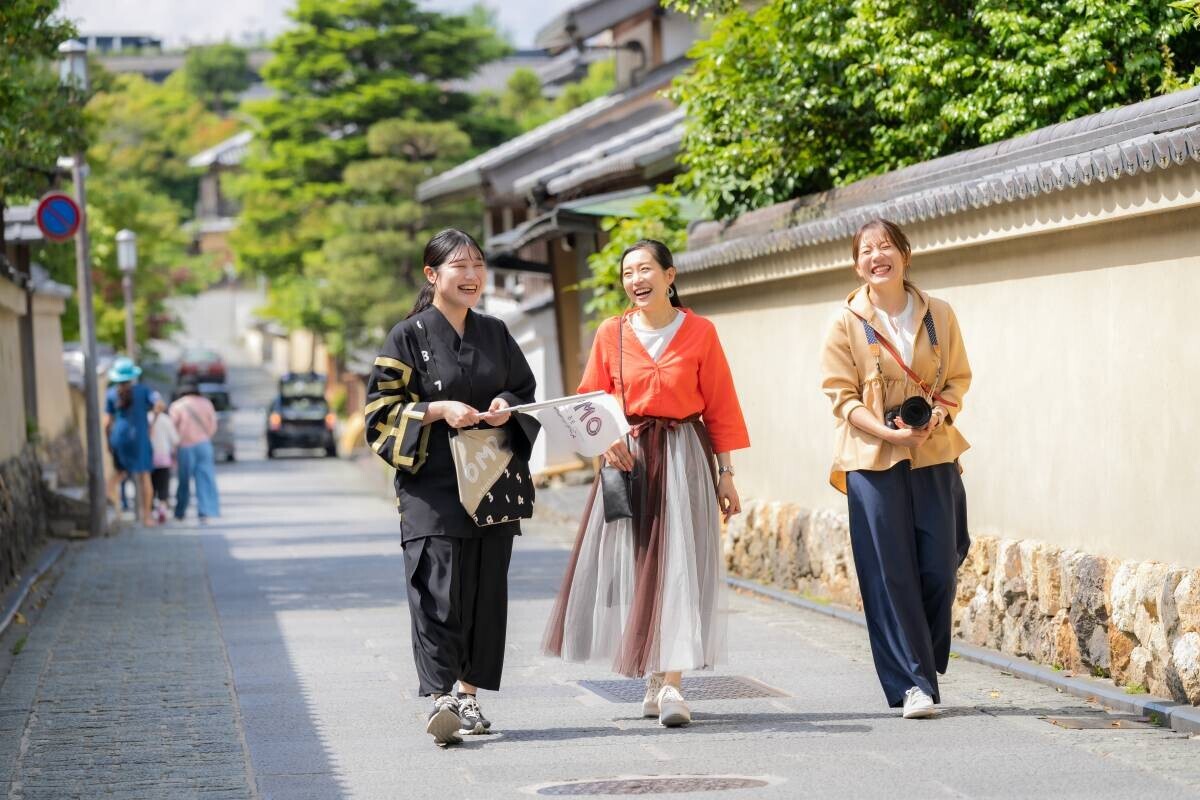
[645, 593]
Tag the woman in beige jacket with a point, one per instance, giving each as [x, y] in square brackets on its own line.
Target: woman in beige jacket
[908, 514]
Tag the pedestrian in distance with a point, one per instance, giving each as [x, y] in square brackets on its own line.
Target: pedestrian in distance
[163, 441]
[127, 405]
[644, 592]
[195, 420]
[895, 367]
[437, 369]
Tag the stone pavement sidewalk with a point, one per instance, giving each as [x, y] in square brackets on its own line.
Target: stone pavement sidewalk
[122, 687]
[268, 656]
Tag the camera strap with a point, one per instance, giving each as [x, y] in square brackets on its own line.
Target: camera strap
[875, 340]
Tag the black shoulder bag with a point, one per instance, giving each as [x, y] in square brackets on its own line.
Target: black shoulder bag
[616, 485]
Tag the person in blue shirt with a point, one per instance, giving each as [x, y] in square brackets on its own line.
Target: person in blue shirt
[127, 405]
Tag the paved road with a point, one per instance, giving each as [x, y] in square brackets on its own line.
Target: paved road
[268, 656]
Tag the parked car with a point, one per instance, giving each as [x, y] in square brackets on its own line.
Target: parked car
[201, 365]
[299, 417]
[218, 394]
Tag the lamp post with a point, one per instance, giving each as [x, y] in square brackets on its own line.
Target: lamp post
[127, 262]
[74, 75]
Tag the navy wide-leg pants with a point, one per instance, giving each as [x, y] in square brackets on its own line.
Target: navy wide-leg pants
[908, 531]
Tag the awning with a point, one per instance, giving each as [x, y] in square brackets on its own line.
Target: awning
[580, 216]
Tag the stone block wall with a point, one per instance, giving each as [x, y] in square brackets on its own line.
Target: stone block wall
[22, 513]
[1137, 622]
[64, 454]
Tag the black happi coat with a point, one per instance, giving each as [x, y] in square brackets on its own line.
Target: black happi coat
[422, 361]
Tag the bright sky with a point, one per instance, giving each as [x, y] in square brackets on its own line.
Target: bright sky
[181, 22]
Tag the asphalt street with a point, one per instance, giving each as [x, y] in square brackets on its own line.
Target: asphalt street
[268, 656]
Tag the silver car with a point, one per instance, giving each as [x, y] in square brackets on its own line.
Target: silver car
[218, 395]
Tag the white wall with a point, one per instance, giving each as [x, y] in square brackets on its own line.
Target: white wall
[1082, 340]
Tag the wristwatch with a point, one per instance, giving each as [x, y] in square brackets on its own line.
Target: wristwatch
[724, 470]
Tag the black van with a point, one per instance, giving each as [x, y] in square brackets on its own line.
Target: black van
[299, 416]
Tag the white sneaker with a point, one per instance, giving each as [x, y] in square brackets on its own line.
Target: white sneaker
[917, 704]
[672, 710]
[444, 723]
[654, 685]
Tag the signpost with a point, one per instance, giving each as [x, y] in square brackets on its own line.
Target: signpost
[58, 217]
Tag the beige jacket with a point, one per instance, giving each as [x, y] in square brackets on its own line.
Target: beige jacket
[852, 378]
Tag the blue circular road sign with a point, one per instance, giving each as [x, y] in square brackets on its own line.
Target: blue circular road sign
[58, 217]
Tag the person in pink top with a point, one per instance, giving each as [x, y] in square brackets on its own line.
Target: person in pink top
[196, 421]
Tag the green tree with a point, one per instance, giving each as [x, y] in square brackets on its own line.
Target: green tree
[344, 66]
[217, 74]
[139, 180]
[369, 267]
[39, 120]
[150, 130]
[797, 96]
[524, 102]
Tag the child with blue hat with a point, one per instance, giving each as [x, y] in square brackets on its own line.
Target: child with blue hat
[127, 405]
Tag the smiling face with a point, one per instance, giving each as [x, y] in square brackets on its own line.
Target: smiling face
[460, 279]
[879, 262]
[645, 281]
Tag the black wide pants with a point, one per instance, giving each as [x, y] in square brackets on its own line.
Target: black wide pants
[458, 602]
[908, 531]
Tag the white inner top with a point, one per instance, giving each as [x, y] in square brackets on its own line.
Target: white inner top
[655, 340]
[900, 330]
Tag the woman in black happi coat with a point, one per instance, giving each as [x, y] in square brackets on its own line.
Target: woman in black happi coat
[444, 367]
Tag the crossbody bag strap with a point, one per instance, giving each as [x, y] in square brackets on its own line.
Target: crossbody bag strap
[191, 412]
[874, 338]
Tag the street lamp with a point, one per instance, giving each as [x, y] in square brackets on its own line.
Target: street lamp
[127, 261]
[74, 75]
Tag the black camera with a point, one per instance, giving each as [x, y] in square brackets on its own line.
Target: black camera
[915, 412]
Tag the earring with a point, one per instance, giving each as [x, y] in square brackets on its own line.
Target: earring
[671, 290]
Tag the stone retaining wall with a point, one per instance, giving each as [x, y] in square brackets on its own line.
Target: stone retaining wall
[1137, 622]
[65, 456]
[22, 512]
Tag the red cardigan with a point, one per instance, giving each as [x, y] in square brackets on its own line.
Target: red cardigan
[691, 377]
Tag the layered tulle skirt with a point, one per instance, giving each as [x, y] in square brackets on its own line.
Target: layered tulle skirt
[647, 594]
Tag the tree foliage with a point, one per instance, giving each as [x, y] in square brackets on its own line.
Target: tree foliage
[523, 101]
[151, 130]
[39, 119]
[344, 66]
[798, 96]
[368, 269]
[139, 179]
[217, 74]
[656, 217]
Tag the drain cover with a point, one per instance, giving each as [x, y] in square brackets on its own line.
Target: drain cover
[714, 687]
[1101, 722]
[676, 784]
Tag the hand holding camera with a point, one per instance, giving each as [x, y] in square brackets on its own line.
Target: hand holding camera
[911, 421]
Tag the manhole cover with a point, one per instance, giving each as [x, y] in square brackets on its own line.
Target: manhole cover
[1101, 722]
[713, 687]
[677, 784]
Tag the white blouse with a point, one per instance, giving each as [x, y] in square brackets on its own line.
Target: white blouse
[900, 330]
[656, 340]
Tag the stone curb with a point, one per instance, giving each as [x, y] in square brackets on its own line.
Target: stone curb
[1177, 716]
[14, 599]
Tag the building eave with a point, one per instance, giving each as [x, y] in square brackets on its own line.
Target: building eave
[1157, 134]
[472, 174]
[587, 19]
